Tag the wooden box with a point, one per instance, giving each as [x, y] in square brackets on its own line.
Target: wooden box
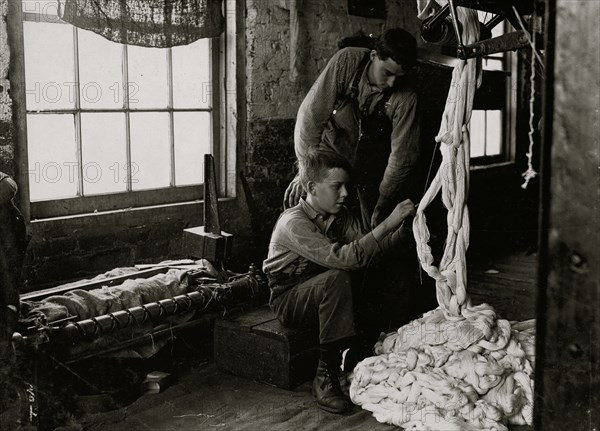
[256, 346]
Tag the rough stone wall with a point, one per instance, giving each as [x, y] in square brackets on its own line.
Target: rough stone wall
[70, 248]
[266, 156]
[267, 150]
[6, 129]
[273, 99]
[270, 92]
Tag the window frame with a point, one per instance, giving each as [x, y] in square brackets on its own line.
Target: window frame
[223, 110]
[508, 109]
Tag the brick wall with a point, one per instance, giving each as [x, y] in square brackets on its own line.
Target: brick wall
[6, 129]
[270, 92]
[273, 98]
[66, 249]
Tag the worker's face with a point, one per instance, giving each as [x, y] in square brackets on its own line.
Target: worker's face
[329, 194]
[386, 72]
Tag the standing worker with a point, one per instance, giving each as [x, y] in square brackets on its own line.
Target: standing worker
[363, 107]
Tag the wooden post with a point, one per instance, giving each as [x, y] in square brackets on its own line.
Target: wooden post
[208, 241]
[212, 222]
[568, 327]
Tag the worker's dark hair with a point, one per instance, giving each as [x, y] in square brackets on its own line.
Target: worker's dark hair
[397, 44]
[358, 39]
[314, 165]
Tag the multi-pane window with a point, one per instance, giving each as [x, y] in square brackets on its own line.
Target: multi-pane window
[113, 126]
[489, 126]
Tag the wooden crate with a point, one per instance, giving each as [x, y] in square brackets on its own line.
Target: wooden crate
[256, 346]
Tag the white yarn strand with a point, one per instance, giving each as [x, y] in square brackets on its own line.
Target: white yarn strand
[530, 173]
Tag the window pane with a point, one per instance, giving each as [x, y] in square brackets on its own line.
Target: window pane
[192, 141]
[103, 155]
[492, 64]
[49, 69]
[147, 77]
[493, 133]
[100, 72]
[485, 17]
[150, 150]
[191, 75]
[53, 170]
[498, 30]
[477, 129]
[45, 8]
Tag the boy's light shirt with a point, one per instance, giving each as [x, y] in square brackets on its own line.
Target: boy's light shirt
[340, 242]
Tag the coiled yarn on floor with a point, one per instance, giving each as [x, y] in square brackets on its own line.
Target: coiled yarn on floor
[458, 367]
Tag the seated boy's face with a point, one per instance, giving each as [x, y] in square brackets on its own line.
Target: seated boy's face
[330, 193]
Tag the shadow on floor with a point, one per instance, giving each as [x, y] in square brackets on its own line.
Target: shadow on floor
[206, 399]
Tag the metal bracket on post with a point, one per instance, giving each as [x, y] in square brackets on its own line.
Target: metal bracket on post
[444, 28]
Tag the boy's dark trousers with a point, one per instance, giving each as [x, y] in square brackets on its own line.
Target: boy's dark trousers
[344, 308]
[323, 301]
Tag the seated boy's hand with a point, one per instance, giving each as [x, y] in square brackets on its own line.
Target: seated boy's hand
[403, 209]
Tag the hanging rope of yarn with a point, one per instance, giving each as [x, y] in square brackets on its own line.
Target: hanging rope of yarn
[458, 367]
[530, 173]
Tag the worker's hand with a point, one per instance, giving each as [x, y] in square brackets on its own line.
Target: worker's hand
[403, 210]
[293, 193]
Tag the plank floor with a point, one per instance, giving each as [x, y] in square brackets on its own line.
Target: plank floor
[206, 399]
[508, 283]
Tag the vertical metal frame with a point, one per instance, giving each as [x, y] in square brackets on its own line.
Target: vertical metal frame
[77, 116]
[232, 103]
[171, 114]
[510, 115]
[18, 93]
[216, 107]
[125, 76]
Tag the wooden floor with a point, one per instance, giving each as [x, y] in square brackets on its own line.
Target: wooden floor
[206, 399]
[508, 283]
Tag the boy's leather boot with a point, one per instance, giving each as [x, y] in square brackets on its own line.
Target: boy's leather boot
[326, 388]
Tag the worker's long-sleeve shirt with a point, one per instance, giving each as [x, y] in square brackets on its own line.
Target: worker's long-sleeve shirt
[302, 236]
[327, 93]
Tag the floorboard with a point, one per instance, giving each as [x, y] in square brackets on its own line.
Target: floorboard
[508, 283]
[206, 399]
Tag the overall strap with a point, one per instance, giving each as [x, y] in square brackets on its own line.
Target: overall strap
[379, 109]
[359, 72]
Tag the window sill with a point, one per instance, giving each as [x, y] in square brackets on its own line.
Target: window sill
[190, 211]
[492, 166]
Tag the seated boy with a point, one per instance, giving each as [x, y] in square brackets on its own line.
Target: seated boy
[314, 247]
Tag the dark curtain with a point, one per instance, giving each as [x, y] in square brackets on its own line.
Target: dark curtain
[150, 23]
